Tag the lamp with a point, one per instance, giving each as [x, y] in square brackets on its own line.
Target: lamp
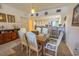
[32, 10]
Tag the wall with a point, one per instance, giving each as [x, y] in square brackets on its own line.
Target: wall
[72, 32]
[19, 15]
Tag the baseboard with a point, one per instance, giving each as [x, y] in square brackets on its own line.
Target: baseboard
[70, 49]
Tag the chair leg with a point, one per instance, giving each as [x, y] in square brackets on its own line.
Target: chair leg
[56, 53]
[29, 52]
[21, 47]
[44, 51]
[37, 53]
[26, 49]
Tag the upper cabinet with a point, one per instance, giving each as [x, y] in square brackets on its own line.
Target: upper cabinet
[2, 17]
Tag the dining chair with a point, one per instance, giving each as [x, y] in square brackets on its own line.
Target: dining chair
[23, 40]
[53, 44]
[32, 42]
[44, 31]
[54, 32]
[38, 29]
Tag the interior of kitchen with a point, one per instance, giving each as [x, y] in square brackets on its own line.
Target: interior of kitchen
[39, 29]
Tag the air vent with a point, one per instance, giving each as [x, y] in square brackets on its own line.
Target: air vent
[36, 14]
[58, 10]
[46, 13]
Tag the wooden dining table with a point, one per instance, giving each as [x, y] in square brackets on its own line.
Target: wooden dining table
[42, 41]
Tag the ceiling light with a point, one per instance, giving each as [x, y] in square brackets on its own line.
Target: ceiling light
[33, 11]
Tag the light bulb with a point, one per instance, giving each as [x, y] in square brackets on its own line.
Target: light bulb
[33, 11]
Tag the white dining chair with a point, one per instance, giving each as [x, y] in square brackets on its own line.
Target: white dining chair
[44, 31]
[38, 29]
[23, 40]
[54, 32]
[53, 44]
[32, 42]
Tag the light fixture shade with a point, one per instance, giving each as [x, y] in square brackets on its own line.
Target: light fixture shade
[33, 11]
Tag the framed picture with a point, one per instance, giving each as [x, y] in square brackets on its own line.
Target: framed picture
[2, 17]
[75, 20]
[11, 18]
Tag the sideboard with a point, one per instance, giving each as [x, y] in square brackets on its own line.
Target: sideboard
[8, 35]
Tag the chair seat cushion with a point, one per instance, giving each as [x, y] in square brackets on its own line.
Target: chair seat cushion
[52, 41]
[50, 46]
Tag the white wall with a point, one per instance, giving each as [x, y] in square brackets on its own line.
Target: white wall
[72, 32]
[17, 13]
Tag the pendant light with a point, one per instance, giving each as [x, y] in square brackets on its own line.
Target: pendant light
[32, 10]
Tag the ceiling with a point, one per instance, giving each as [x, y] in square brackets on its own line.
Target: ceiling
[37, 6]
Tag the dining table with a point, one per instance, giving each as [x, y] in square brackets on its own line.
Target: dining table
[42, 41]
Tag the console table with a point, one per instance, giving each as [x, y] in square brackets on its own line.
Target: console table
[8, 35]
